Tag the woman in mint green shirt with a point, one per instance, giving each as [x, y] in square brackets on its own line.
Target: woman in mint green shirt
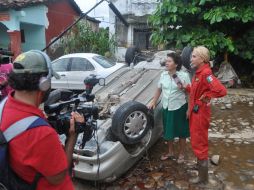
[174, 101]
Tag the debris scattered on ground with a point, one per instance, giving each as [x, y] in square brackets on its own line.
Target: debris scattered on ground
[215, 159]
[231, 137]
[228, 106]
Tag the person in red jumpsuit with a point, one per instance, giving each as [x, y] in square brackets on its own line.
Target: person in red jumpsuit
[204, 86]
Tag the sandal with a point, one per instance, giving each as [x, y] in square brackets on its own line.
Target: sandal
[180, 159]
[167, 156]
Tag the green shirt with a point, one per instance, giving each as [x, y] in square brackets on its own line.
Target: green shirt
[173, 98]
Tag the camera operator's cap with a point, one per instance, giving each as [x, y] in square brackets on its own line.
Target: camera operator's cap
[33, 62]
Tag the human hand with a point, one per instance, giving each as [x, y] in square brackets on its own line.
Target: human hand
[187, 114]
[184, 85]
[78, 117]
[75, 117]
[205, 99]
[151, 106]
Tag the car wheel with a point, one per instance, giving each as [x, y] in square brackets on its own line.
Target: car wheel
[186, 57]
[131, 122]
[130, 54]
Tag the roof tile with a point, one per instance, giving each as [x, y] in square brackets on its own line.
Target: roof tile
[16, 4]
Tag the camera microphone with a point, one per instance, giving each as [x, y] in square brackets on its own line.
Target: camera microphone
[177, 81]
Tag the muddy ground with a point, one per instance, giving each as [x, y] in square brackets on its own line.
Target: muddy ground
[231, 136]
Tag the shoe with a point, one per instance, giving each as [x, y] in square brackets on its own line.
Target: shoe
[202, 177]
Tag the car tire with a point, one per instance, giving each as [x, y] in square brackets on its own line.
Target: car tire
[130, 54]
[131, 122]
[186, 57]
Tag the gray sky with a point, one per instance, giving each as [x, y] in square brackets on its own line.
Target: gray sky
[101, 11]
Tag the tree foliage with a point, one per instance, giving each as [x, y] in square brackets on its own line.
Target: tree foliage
[83, 39]
[220, 25]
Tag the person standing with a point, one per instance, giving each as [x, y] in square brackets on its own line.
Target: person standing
[37, 151]
[5, 69]
[175, 105]
[204, 86]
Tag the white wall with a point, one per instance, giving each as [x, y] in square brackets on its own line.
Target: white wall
[135, 7]
[120, 54]
[34, 37]
[130, 7]
[4, 37]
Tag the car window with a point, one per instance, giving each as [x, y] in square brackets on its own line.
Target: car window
[60, 65]
[81, 64]
[104, 62]
[89, 66]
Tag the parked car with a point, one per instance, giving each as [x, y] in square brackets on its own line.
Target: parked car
[74, 68]
[126, 129]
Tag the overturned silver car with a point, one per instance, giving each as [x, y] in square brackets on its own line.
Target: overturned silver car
[125, 128]
[128, 129]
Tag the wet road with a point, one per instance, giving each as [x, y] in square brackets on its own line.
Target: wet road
[231, 136]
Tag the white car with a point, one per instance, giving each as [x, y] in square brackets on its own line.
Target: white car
[74, 68]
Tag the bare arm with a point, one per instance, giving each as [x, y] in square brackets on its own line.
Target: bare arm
[69, 147]
[157, 94]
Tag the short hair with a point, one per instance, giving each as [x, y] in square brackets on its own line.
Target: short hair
[26, 82]
[177, 60]
[202, 52]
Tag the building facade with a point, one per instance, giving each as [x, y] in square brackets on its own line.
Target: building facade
[136, 13]
[26, 24]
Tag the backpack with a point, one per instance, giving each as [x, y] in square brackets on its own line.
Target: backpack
[9, 180]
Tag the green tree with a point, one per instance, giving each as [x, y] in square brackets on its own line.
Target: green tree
[223, 26]
[81, 38]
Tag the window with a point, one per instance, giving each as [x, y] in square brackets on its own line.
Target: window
[60, 65]
[22, 33]
[81, 64]
[89, 66]
[104, 62]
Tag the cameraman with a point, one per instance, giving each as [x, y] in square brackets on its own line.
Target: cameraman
[38, 150]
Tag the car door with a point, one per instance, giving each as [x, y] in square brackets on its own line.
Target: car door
[80, 69]
[61, 67]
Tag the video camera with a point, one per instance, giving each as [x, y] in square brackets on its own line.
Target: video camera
[59, 114]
